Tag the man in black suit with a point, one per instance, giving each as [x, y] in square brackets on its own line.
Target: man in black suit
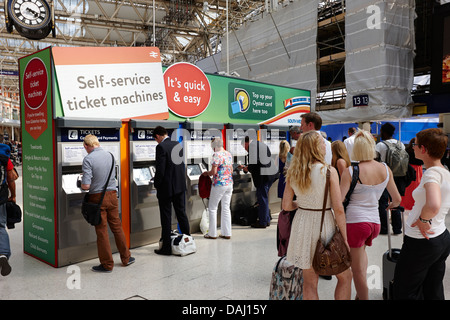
[263, 171]
[170, 184]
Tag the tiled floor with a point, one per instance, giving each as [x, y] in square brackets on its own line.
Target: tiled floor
[236, 269]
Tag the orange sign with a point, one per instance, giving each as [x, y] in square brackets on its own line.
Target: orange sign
[111, 82]
[187, 88]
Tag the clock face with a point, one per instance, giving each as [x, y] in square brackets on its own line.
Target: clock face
[31, 18]
[30, 13]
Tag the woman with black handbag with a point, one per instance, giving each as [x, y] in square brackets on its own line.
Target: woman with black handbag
[307, 179]
[363, 219]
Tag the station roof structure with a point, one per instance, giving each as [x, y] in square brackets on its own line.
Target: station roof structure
[188, 30]
[184, 30]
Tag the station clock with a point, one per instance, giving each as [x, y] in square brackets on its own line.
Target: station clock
[31, 18]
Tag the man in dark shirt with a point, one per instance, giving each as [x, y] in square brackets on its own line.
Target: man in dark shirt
[263, 171]
[170, 184]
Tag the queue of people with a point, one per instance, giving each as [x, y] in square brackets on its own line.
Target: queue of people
[421, 266]
[420, 270]
[303, 191]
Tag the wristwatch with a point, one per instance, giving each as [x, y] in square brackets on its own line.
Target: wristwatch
[31, 18]
[425, 220]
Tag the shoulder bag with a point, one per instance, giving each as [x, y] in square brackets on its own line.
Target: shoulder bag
[91, 211]
[355, 178]
[333, 258]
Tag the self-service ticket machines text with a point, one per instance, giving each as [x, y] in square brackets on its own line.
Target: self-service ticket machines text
[271, 136]
[198, 152]
[144, 213]
[244, 192]
[77, 240]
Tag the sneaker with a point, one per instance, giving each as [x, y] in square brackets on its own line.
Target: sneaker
[4, 266]
[131, 261]
[100, 268]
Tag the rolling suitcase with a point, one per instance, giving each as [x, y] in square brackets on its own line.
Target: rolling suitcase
[390, 259]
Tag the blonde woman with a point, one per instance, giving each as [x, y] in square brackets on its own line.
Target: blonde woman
[363, 219]
[340, 159]
[306, 178]
[282, 157]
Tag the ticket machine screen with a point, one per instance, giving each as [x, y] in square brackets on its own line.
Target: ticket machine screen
[142, 174]
[194, 170]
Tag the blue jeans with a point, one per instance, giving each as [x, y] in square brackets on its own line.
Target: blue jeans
[5, 248]
[262, 195]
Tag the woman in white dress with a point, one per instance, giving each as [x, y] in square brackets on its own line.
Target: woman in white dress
[306, 178]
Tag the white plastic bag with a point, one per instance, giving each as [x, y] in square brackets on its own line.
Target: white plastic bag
[183, 245]
[204, 222]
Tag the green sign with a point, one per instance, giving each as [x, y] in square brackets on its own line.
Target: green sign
[235, 100]
[39, 222]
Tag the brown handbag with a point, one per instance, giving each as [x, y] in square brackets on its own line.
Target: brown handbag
[333, 258]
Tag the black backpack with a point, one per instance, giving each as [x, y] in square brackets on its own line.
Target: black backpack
[5, 152]
[355, 178]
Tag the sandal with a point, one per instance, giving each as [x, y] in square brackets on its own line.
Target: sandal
[207, 236]
[225, 237]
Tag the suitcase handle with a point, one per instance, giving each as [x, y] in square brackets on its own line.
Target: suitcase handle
[388, 212]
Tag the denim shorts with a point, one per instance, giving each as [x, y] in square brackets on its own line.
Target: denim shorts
[362, 233]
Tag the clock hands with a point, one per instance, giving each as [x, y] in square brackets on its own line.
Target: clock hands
[34, 13]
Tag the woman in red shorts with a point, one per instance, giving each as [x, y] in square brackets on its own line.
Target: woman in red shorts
[363, 219]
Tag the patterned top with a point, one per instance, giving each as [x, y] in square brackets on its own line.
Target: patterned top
[224, 162]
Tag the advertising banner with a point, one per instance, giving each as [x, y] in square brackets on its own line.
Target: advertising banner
[39, 223]
[235, 100]
[111, 83]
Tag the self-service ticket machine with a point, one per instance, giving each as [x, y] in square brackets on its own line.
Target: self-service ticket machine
[144, 209]
[271, 136]
[244, 192]
[198, 152]
[77, 240]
